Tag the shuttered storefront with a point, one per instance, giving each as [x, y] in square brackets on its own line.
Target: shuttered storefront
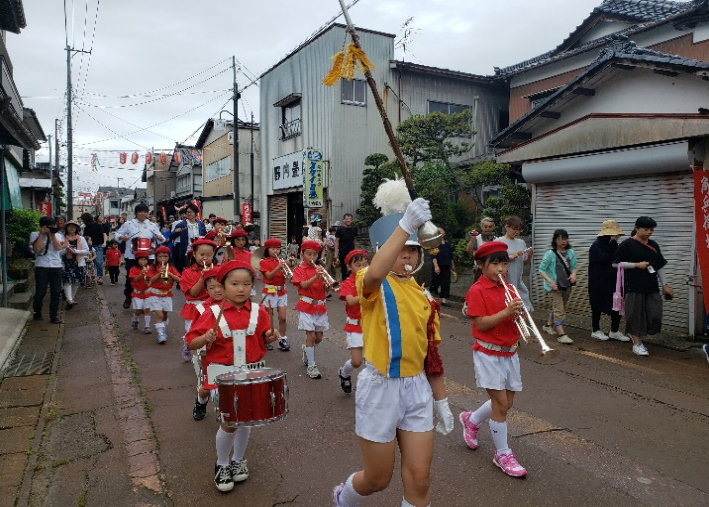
[581, 206]
[278, 217]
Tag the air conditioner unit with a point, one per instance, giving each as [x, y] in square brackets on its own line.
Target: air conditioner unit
[230, 137]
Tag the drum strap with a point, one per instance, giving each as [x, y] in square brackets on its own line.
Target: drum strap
[238, 335]
[200, 308]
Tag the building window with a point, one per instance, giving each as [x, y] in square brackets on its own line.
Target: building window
[354, 92]
[445, 107]
[290, 120]
[218, 169]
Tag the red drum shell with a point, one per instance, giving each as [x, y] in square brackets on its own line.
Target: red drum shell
[252, 398]
[142, 244]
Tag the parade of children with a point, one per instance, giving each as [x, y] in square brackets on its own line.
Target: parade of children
[275, 293]
[161, 275]
[139, 280]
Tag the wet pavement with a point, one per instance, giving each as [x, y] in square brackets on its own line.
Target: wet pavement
[111, 423]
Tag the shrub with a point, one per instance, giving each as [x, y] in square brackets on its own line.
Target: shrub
[19, 224]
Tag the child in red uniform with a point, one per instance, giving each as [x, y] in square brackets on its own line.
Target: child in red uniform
[494, 354]
[160, 291]
[312, 312]
[241, 251]
[215, 292]
[238, 314]
[192, 284]
[140, 283]
[275, 293]
[355, 260]
[217, 234]
[113, 261]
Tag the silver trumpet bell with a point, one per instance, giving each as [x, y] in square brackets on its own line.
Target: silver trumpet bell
[428, 236]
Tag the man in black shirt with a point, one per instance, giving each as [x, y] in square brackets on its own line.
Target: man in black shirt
[443, 264]
[96, 232]
[345, 242]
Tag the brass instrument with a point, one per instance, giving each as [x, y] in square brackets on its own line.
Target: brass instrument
[165, 272]
[329, 281]
[258, 256]
[205, 267]
[525, 323]
[287, 271]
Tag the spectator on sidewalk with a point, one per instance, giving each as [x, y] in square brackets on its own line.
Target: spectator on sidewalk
[519, 256]
[74, 261]
[559, 270]
[601, 281]
[330, 251]
[345, 242]
[644, 265]
[99, 238]
[443, 264]
[478, 239]
[186, 231]
[47, 245]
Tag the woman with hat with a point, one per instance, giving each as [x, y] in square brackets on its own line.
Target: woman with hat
[601, 281]
[75, 248]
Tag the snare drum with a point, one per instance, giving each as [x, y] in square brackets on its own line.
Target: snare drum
[142, 244]
[252, 397]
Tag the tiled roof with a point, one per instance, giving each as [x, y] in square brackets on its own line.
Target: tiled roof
[619, 50]
[643, 12]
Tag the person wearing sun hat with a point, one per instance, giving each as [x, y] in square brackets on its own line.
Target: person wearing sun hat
[602, 276]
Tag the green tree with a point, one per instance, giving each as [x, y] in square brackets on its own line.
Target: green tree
[378, 168]
[20, 223]
[437, 136]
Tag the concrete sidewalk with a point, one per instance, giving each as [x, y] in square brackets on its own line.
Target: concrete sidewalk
[11, 330]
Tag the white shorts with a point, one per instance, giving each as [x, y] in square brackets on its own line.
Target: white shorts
[310, 322]
[275, 301]
[354, 340]
[384, 405]
[497, 372]
[160, 303]
[139, 304]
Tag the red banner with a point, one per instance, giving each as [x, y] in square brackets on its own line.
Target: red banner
[246, 217]
[178, 157]
[199, 208]
[45, 208]
[701, 213]
[164, 213]
[163, 158]
[134, 158]
[122, 158]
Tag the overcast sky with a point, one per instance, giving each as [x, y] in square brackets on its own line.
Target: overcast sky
[148, 45]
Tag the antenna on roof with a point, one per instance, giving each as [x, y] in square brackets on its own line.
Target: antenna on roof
[407, 36]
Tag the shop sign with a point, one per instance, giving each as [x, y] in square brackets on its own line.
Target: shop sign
[313, 179]
[286, 171]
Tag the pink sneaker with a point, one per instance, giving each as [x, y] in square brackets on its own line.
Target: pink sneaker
[509, 464]
[470, 431]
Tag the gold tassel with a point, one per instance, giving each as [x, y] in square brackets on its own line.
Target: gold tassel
[336, 71]
[360, 56]
[348, 68]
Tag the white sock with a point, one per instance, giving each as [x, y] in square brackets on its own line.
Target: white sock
[347, 368]
[482, 414]
[348, 496]
[159, 326]
[224, 443]
[202, 400]
[404, 503]
[310, 352]
[499, 436]
[147, 320]
[284, 337]
[241, 440]
[67, 291]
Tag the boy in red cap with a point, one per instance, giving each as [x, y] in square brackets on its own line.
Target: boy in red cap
[239, 314]
[494, 354]
[355, 260]
[275, 294]
[217, 233]
[160, 290]
[312, 312]
[140, 284]
[239, 240]
[192, 284]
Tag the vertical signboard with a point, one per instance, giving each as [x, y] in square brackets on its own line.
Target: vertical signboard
[313, 179]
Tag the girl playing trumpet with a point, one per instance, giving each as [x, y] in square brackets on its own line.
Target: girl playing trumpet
[192, 284]
[162, 275]
[494, 354]
[275, 294]
[139, 296]
[218, 233]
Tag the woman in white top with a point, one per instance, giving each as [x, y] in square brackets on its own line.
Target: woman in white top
[74, 250]
[519, 256]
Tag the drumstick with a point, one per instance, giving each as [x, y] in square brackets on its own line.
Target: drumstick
[219, 318]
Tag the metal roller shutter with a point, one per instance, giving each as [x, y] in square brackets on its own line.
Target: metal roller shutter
[278, 217]
[581, 206]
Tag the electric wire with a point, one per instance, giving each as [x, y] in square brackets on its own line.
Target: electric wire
[91, 47]
[136, 125]
[110, 129]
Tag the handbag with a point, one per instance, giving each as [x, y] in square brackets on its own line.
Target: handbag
[566, 267]
[619, 294]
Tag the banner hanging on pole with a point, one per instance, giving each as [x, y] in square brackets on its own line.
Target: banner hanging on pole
[701, 214]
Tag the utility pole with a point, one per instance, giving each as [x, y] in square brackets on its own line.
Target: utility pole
[51, 175]
[237, 195]
[251, 163]
[69, 147]
[55, 211]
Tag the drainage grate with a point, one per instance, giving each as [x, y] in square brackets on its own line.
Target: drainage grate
[30, 364]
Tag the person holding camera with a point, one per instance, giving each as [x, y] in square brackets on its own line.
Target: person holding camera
[559, 270]
[46, 244]
[643, 263]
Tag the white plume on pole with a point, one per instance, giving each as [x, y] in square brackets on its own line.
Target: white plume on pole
[392, 197]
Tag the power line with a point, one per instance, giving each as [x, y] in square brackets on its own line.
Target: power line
[136, 125]
[93, 35]
[110, 129]
[204, 123]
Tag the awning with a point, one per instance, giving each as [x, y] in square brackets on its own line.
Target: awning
[35, 183]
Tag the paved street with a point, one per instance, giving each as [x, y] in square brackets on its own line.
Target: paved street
[599, 426]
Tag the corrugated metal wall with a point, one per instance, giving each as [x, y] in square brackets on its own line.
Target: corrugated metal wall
[580, 207]
[278, 222]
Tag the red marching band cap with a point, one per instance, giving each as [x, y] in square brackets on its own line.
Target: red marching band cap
[162, 249]
[310, 245]
[141, 253]
[272, 243]
[349, 256]
[239, 233]
[212, 273]
[203, 241]
[230, 266]
[222, 220]
[490, 248]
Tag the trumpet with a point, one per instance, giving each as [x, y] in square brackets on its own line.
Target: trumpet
[287, 271]
[165, 271]
[329, 281]
[525, 323]
[205, 267]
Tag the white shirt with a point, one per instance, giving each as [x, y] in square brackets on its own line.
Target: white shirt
[53, 257]
[174, 225]
[137, 229]
[192, 232]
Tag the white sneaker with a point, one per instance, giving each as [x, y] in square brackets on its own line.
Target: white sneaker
[313, 371]
[565, 340]
[617, 335]
[305, 356]
[550, 330]
[599, 335]
[640, 350]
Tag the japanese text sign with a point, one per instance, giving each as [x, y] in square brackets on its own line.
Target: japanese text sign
[313, 179]
[701, 213]
[286, 171]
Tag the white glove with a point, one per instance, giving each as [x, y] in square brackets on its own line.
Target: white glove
[445, 417]
[417, 214]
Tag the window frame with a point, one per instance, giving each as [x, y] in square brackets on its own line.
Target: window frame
[463, 106]
[353, 101]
